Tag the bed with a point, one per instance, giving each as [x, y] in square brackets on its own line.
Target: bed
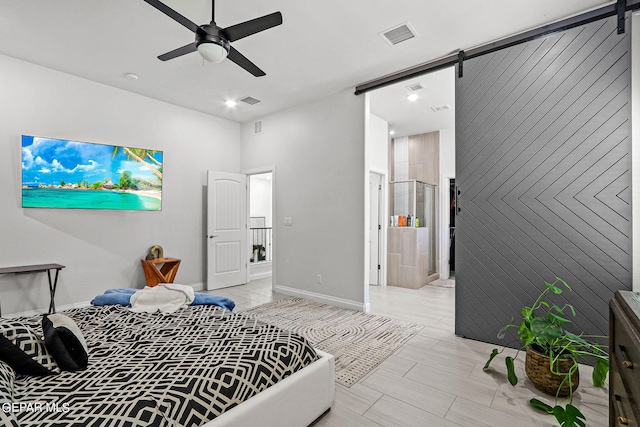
[200, 366]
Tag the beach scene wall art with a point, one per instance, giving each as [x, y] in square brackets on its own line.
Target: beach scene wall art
[64, 174]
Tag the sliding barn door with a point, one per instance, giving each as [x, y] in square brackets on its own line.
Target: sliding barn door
[543, 173]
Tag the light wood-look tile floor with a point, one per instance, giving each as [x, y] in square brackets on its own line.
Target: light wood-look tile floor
[436, 378]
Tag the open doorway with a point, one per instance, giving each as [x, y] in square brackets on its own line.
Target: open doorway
[261, 243]
[420, 114]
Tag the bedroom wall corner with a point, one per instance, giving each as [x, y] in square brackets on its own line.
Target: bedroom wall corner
[102, 249]
[318, 149]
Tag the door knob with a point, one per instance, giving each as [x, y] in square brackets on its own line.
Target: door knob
[213, 236]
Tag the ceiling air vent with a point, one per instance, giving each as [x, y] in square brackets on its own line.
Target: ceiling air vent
[398, 34]
[441, 108]
[249, 100]
[257, 127]
[415, 86]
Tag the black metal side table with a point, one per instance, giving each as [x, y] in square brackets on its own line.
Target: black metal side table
[35, 269]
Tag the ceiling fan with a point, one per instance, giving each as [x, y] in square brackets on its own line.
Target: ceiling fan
[213, 42]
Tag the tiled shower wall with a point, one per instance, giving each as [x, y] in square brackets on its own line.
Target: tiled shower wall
[413, 157]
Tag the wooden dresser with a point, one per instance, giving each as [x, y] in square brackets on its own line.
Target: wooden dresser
[624, 359]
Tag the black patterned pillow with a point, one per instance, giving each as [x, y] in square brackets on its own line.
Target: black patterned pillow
[65, 342]
[24, 351]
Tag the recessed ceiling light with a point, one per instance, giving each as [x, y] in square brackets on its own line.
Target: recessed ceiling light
[230, 103]
[131, 76]
[392, 132]
[412, 97]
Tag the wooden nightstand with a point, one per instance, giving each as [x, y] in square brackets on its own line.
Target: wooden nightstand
[624, 359]
[160, 270]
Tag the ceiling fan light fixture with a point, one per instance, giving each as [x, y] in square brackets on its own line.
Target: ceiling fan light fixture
[212, 46]
[212, 51]
[212, 42]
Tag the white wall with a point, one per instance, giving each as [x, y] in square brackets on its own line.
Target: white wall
[378, 144]
[448, 152]
[318, 152]
[260, 198]
[102, 249]
[447, 170]
[377, 161]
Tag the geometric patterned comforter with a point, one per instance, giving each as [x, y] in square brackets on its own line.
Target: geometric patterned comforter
[180, 369]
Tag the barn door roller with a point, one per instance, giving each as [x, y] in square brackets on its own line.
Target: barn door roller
[621, 7]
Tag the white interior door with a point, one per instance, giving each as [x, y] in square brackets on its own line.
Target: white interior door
[375, 188]
[226, 229]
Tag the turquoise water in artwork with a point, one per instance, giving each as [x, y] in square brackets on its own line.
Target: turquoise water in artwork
[88, 199]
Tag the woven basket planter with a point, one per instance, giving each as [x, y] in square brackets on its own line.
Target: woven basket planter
[537, 369]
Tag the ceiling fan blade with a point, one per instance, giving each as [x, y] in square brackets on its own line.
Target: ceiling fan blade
[191, 47]
[242, 61]
[247, 28]
[174, 15]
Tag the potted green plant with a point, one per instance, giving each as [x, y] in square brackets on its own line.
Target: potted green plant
[542, 333]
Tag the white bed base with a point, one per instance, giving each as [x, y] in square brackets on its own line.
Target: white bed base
[296, 401]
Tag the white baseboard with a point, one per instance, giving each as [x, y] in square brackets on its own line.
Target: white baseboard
[60, 308]
[325, 299]
[197, 286]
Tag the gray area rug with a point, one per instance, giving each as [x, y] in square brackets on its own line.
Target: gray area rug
[443, 283]
[359, 341]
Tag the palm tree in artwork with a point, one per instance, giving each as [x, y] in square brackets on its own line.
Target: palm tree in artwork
[139, 155]
[149, 154]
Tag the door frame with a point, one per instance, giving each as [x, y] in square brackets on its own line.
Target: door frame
[380, 198]
[383, 215]
[445, 180]
[635, 153]
[274, 219]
